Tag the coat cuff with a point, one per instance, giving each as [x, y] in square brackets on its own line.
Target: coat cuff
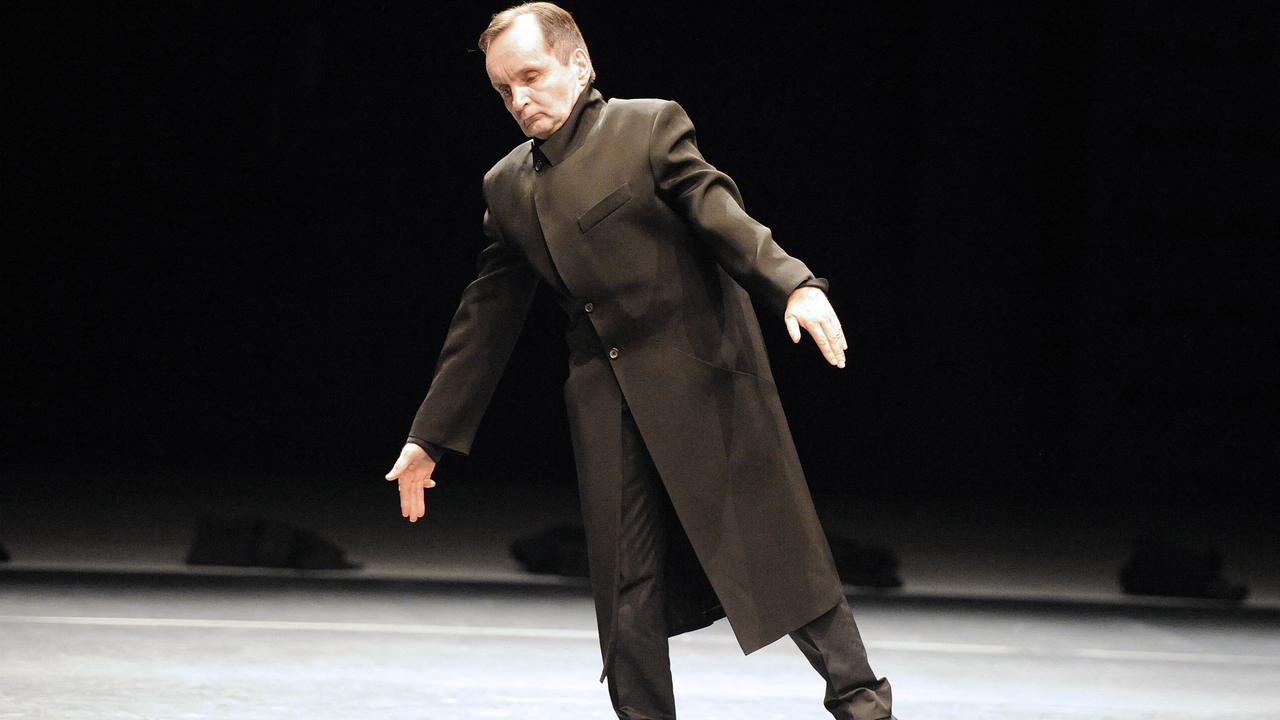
[820, 283]
[434, 451]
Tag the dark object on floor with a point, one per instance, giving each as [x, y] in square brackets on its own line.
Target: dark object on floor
[559, 550]
[1160, 566]
[864, 565]
[261, 542]
[4, 554]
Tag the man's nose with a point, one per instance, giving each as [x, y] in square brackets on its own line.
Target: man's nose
[519, 97]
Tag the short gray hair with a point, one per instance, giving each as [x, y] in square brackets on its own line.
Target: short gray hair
[559, 31]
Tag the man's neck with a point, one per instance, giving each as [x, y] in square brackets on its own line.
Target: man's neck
[576, 97]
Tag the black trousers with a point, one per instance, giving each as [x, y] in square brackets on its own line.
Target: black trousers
[640, 676]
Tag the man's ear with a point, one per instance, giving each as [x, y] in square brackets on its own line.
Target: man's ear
[582, 65]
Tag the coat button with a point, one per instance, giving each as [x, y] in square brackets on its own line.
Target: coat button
[589, 307]
[613, 353]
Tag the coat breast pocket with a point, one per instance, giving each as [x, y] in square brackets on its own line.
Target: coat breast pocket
[604, 208]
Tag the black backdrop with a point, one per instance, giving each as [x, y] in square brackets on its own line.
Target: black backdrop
[235, 237]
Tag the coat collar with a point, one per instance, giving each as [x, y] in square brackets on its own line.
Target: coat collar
[575, 129]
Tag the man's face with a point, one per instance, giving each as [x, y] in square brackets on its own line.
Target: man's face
[537, 89]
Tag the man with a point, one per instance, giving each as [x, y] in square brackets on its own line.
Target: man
[693, 499]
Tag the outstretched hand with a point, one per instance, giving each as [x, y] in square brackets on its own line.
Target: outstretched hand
[808, 307]
[413, 469]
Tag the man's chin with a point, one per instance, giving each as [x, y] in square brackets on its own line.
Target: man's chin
[537, 130]
[541, 128]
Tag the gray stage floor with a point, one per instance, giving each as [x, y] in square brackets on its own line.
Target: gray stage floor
[100, 645]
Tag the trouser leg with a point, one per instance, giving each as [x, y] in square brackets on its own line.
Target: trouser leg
[833, 646]
[640, 674]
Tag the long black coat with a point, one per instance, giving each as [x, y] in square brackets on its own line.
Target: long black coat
[651, 254]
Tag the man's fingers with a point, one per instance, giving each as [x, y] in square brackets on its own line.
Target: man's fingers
[415, 495]
[829, 349]
[838, 334]
[832, 331]
[793, 328]
[820, 337]
[413, 504]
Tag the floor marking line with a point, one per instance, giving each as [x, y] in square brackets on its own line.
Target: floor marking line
[1166, 656]
[304, 625]
[964, 648]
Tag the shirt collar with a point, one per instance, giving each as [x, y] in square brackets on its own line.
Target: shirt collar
[566, 139]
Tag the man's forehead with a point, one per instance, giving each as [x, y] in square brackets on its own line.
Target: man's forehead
[519, 46]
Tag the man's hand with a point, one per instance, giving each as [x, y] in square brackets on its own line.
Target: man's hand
[809, 308]
[413, 468]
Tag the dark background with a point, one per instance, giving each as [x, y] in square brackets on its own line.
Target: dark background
[235, 237]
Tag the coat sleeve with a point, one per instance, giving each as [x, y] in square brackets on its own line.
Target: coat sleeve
[476, 349]
[709, 200]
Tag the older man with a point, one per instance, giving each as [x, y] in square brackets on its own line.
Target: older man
[693, 498]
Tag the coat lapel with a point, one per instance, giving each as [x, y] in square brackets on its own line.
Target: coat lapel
[537, 200]
[521, 223]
